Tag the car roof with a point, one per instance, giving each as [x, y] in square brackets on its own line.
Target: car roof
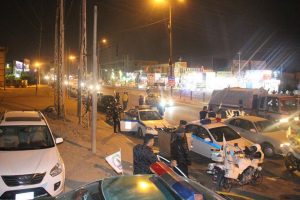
[208, 126]
[250, 118]
[22, 118]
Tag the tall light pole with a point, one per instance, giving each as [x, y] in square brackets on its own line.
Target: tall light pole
[37, 66]
[171, 72]
[239, 53]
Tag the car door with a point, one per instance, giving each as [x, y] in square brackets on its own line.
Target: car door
[200, 142]
[246, 129]
[129, 121]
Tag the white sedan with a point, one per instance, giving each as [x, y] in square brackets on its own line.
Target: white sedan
[262, 131]
[206, 137]
[143, 120]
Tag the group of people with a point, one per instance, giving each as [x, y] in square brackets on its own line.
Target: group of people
[143, 155]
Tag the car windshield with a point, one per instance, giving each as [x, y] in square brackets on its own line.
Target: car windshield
[228, 133]
[25, 138]
[289, 105]
[149, 115]
[266, 126]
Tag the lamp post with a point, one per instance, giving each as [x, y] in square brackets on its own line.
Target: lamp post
[71, 59]
[37, 76]
[170, 27]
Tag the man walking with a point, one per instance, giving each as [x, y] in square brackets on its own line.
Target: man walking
[179, 149]
[125, 100]
[143, 156]
[203, 113]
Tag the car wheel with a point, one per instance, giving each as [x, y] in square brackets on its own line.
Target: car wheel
[290, 162]
[140, 133]
[268, 150]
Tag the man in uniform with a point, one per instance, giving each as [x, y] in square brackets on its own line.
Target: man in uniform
[143, 156]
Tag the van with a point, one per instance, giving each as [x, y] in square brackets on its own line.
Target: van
[279, 107]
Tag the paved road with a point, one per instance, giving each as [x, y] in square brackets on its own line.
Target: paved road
[83, 167]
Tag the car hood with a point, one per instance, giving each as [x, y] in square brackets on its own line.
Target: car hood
[242, 142]
[279, 136]
[28, 162]
[156, 123]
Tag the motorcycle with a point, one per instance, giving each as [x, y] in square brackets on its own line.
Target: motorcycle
[291, 151]
[236, 167]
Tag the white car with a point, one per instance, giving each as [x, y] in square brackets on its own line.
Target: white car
[31, 165]
[143, 120]
[206, 137]
[262, 131]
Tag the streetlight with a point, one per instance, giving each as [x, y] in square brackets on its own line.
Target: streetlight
[71, 59]
[37, 75]
[169, 2]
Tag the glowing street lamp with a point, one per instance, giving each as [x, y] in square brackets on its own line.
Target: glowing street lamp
[169, 2]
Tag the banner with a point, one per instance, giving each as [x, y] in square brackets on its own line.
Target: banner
[115, 162]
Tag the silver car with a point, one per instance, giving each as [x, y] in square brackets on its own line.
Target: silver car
[260, 130]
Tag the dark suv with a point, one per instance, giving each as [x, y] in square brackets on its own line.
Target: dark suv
[104, 102]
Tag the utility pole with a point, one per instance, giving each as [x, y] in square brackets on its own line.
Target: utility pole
[171, 48]
[95, 82]
[61, 88]
[56, 57]
[82, 71]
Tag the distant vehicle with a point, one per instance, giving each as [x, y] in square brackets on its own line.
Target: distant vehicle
[205, 137]
[31, 166]
[164, 184]
[143, 120]
[258, 102]
[154, 99]
[104, 102]
[261, 131]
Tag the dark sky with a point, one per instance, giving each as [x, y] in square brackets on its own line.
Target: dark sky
[203, 29]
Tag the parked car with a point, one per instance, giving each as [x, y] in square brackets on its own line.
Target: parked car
[31, 165]
[205, 137]
[163, 184]
[262, 131]
[104, 101]
[143, 120]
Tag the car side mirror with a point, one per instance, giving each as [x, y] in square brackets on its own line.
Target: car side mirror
[59, 140]
[207, 140]
[253, 130]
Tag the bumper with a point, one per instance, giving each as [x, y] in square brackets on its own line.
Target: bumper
[50, 186]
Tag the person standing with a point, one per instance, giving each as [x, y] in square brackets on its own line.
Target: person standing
[125, 100]
[180, 150]
[141, 100]
[116, 118]
[203, 113]
[143, 156]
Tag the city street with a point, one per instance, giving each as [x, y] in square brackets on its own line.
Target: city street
[83, 167]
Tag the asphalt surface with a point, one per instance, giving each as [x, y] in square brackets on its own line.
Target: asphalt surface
[83, 167]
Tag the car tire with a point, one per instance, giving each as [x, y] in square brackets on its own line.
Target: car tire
[140, 133]
[268, 150]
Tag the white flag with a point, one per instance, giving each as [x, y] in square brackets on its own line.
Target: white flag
[224, 145]
[115, 162]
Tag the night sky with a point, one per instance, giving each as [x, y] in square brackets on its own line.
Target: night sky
[203, 30]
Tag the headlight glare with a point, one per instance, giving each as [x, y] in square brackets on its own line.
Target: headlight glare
[296, 118]
[171, 102]
[284, 144]
[56, 170]
[284, 120]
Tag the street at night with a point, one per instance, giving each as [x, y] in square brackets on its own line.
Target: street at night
[150, 99]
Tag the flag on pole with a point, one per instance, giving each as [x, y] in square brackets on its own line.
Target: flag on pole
[224, 145]
[114, 160]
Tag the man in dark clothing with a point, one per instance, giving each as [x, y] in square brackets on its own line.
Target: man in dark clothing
[116, 118]
[141, 100]
[203, 113]
[143, 156]
[211, 113]
[179, 149]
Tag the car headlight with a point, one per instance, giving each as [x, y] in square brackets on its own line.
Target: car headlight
[163, 102]
[171, 102]
[284, 120]
[56, 170]
[284, 144]
[149, 128]
[296, 118]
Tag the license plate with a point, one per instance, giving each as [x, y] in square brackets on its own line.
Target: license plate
[25, 196]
